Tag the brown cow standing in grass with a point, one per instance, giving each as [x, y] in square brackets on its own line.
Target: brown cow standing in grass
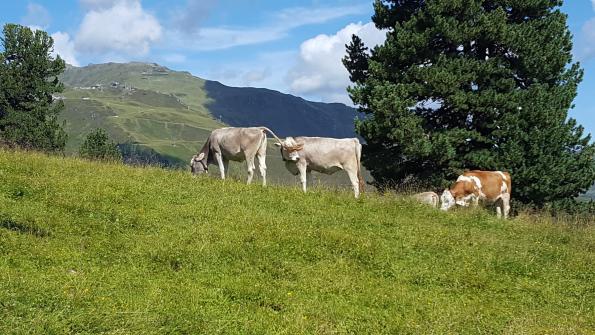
[472, 186]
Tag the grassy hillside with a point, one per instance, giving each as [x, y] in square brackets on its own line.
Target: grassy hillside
[100, 248]
[150, 105]
[172, 112]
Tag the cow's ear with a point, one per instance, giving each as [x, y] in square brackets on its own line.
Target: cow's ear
[278, 144]
[200, 157]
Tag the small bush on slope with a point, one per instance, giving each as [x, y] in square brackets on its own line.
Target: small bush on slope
[148, 251]
[98, 146]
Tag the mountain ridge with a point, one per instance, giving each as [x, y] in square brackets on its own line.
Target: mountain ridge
[171, 113]
[235, 106]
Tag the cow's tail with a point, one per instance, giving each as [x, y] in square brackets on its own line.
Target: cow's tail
[271, 132]
[358, 156]
[262, 147]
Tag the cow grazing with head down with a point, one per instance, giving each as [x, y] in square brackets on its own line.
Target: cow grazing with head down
[235, 144]
[472, 186]
[325, 155]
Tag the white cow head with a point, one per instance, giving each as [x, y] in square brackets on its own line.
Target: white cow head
[198, 164]
[290, 149]
[447, 200]
[462, 193]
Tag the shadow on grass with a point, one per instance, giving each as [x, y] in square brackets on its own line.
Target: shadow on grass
[22, 226]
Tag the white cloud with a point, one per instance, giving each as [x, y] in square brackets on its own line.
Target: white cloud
[300, 16]
[98, 4]
[586, 46]
[319, 72]
[174, 58]
[34, 28]
[122, 28]
[279, 25]
[209, 39]
[37, 16]
[265, 69]
[255, 76]
[189, 17]
[64, 47]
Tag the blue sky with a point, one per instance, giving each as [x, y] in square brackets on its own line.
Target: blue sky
[291, 46]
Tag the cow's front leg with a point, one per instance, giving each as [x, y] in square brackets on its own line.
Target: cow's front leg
[303, 175]
[475, 201]
[220, 163]
[226, 165]
[506, 204]
[499, 210]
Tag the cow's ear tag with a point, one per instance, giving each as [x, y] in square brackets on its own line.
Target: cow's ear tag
[278, 144]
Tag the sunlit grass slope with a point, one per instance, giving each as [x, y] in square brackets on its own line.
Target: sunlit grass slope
[104, 248]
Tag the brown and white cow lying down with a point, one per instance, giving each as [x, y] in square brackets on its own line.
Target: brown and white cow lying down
[235, 144]
[325, 155]
[472, 186]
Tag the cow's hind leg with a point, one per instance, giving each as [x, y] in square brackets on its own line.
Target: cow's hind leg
[250, 164]
[262, 167]
[219, 158]
[354, 182]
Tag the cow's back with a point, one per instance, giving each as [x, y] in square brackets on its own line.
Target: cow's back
[491, 182]
[326, 153]
[234, 142]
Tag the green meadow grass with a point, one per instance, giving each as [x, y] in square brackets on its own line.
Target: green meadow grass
[92, 248]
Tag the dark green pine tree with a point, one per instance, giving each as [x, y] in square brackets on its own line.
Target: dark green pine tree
[473, 84]
[28, 81]
[356, 60]
[98, 146]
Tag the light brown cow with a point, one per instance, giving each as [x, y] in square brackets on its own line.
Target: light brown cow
[235, 144]
[430, 198]
[325, 155]
[472, 186]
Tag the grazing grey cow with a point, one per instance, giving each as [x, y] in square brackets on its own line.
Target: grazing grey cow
[430, 198]
[326, 155]
[235, 144]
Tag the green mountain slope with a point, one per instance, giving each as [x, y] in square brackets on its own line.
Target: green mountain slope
[138, 102]
[286, 114]
[93, 248]
[173, 112]
[169, 111]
